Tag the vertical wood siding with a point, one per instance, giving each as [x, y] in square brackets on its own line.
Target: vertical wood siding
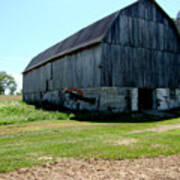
[142, 49]
[79, 70]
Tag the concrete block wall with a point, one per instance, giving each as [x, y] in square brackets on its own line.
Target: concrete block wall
[167, 98]
[113, 99]
[134, 99]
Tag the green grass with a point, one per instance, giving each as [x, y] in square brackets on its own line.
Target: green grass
[12, 112]
[52, 134]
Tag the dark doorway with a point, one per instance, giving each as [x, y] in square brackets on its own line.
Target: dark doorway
[145, 97]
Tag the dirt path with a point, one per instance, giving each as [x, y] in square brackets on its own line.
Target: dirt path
[161, 168]
[10, 98]
[159, 129]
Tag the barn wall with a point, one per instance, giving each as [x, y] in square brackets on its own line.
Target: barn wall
[142, 49]
[80, 70]
[139, 67]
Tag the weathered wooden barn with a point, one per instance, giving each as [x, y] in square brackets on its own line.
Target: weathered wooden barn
[128, 61]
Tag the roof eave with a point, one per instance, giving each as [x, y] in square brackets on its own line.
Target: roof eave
[64, 53]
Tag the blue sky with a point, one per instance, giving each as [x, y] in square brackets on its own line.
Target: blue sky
[30, 26]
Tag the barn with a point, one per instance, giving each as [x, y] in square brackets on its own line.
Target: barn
[127, 61]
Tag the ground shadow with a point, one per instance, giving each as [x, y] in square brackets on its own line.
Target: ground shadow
[133, 117]
[109, 117]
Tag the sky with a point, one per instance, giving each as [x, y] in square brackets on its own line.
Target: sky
[28, 27]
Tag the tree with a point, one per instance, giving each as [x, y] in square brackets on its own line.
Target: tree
[19, 93]
[12, 88]
[7, 82]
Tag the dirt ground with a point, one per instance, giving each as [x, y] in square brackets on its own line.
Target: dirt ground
[10, 98]
[159, 168]
[159, 129]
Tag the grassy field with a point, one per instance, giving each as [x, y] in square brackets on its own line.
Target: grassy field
[31, 137]
[15, 111]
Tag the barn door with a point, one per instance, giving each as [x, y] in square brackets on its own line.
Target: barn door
[145, 99]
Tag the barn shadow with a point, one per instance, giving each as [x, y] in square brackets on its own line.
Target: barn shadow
[135, 117]
[147, 116]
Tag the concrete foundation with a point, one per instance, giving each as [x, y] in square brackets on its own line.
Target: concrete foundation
[107, 99]
[167, 98]
[111, 99]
